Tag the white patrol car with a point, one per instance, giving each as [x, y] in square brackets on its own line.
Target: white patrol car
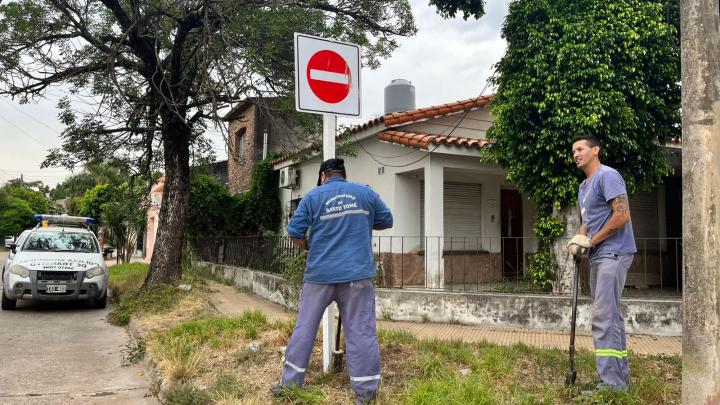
[59, 260]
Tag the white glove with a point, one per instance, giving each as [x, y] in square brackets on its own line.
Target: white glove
[579, 245]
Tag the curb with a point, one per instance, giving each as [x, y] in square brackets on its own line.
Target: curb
[146, 362]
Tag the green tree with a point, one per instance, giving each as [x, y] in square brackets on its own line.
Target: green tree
[124, 216]
[15, 215]
[38, 202]
[72, 189]
[119, 210]
[576, 67]
[160, 70]
[210, 204]
[215, 212]
[449, 8]
[36, 194]
[91, 203]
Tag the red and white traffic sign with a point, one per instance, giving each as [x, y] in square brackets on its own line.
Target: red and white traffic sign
[327, 76]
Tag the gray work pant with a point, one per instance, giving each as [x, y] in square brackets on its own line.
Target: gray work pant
[356, 301]
[607, 280]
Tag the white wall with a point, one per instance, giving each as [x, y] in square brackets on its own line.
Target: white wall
[398, 186]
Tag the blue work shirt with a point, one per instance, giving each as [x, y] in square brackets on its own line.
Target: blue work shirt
[340, 216]
[594, 196]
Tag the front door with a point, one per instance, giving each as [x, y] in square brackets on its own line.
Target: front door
[511, 233]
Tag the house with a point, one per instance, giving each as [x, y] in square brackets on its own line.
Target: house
[257, 128]
[153, 217]
[458, 222]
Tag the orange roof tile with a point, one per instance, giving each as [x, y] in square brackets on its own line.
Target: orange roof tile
[423, 141]
[404, 117]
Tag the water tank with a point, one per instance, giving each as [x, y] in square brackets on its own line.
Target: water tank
[399, 96]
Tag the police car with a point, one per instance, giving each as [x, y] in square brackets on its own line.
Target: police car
[59, 260]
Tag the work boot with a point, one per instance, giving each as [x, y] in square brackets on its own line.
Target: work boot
[365, 399]
[278, 389]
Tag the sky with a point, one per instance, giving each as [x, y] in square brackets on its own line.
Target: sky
[448, 60]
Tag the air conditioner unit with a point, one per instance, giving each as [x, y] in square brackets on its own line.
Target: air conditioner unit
[288, 177]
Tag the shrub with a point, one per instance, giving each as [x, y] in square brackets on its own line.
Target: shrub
[542, 269]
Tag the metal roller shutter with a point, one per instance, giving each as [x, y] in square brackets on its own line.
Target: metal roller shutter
[644, 214]
[462, 212]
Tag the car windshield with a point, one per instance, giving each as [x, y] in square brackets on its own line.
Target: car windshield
[61, 242]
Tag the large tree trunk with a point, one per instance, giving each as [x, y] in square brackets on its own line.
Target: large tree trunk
[701, 200]
[566, 265]
[165, 265]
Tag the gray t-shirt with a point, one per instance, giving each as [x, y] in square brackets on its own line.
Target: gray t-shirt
[594, 197]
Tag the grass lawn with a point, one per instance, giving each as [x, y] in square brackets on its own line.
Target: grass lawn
[159, 306]
[204, 358]
[214, 360]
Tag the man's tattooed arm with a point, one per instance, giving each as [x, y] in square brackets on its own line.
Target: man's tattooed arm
[620, 217]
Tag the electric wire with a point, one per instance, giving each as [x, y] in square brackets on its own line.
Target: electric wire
[465, 113]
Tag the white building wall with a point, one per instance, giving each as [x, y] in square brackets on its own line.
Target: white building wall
[398, 187]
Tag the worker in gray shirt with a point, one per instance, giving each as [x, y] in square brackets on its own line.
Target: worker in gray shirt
[606, 234]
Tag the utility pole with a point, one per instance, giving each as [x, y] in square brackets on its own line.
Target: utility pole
[700, 57]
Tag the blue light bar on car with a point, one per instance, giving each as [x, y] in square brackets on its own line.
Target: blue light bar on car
[64, 219]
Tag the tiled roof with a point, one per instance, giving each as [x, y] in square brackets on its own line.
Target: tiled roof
[404, 117]
[354, 130]
[423, 141]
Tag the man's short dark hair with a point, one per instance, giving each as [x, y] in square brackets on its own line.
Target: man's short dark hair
[332, 166]
[591, 140]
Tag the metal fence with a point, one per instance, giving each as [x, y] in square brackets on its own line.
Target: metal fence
[263, 253]
[462, 264]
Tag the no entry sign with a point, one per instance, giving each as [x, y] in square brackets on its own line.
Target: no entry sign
[327, 76]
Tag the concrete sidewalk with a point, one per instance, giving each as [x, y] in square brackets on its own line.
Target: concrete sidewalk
[229, 301]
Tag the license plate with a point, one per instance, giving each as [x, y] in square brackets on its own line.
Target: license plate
[57, 288]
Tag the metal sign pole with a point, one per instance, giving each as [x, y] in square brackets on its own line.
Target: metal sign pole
[328, 319]
[327, 81]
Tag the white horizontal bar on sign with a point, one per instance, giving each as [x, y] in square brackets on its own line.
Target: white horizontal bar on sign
[332, 77]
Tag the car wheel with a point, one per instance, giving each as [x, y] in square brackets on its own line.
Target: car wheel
[7, 303]
[100, 302]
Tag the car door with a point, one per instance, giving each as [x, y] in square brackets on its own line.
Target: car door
[11, 256]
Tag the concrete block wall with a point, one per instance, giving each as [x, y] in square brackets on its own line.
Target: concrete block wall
[642, 316]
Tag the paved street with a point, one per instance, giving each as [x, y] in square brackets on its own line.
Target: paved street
[65, 353]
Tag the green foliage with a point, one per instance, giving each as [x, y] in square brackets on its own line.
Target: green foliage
[450, 389]
[227, 385]
[157, 73]
[469, 8]
[120, 209]
[576, 67]
[215, 212]
[37, 200]
[547, 229]
[218, 330]
[19, 202]
[125, 286]
[15, 216]
[74, 186]
[186, 394]
[293, 266]
[209, 207]
[543, 268]
[295, 395]
[93, 174]
[90, 204]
